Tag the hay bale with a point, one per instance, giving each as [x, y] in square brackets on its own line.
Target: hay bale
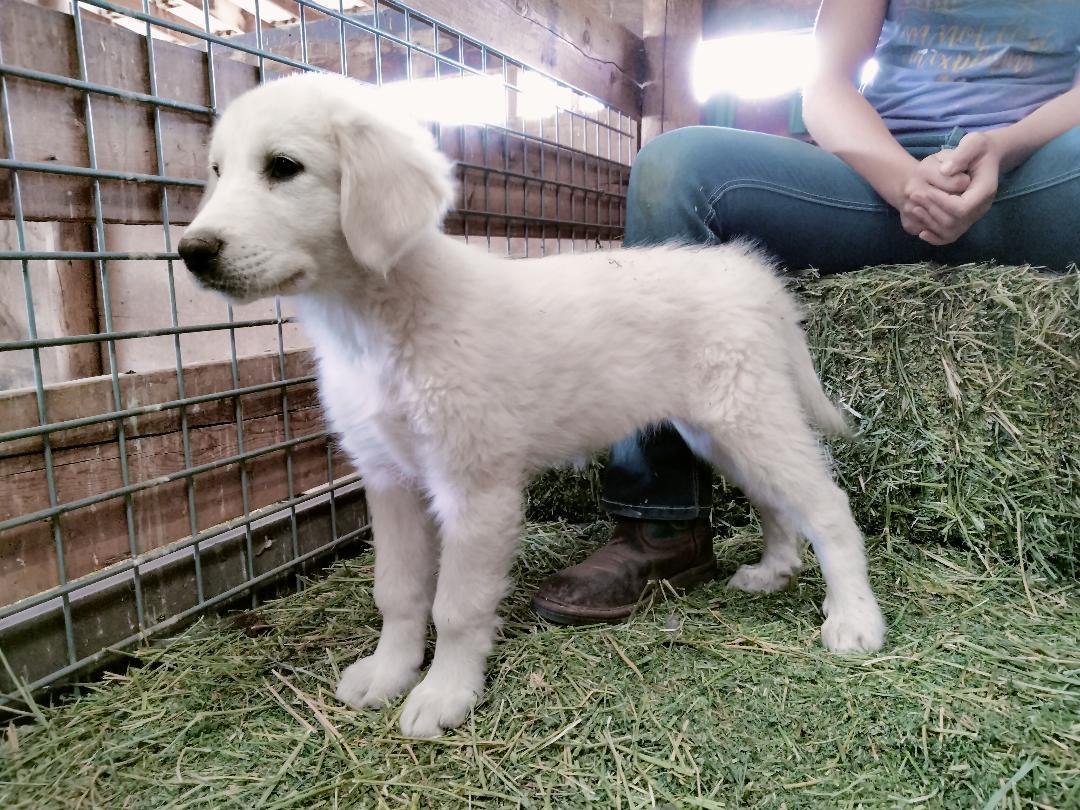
[965, 385]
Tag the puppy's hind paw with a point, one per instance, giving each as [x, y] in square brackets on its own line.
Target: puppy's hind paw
[761, 578]
[853, 627]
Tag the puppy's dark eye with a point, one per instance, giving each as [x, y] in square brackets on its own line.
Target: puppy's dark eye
[282, 168]
[215, 169]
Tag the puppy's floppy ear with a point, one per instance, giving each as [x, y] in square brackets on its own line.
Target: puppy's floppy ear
[395, 185]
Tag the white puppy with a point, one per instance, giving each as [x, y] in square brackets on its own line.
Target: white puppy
[451, 375]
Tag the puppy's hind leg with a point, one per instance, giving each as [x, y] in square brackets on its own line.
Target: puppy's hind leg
[771, 454]
[479, 530]
[405, 557]
[781, 560]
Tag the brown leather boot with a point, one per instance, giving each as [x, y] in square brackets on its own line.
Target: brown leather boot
[607, 586]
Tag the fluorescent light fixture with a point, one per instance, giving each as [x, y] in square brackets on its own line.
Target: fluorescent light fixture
[753, 66]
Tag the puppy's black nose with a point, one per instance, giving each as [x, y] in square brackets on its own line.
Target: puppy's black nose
[200, 254]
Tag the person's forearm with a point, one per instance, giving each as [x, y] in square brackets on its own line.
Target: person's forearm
[1018, 141]
[842, 122]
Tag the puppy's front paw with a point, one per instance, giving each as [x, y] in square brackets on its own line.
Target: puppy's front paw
[433, 707]
[855, 625]
[761, 578]
[374, 681]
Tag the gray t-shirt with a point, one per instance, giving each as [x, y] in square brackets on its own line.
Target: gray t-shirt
[975, 64]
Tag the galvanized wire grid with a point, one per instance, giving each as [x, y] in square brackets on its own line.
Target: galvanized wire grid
[577, 203]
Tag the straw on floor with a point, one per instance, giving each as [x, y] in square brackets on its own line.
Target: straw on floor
[966, 482]
[715, 700]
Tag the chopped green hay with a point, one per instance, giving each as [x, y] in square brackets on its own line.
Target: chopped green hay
[968, 391]
[715, 700]
[965, 385]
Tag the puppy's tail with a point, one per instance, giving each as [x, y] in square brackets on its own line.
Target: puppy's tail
[822, 411]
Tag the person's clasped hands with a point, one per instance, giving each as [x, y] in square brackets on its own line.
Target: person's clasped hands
[949, 191]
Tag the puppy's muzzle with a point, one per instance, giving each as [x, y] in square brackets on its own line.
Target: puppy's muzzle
[201, 253]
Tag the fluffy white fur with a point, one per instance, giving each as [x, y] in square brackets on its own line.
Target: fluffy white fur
[451, 375]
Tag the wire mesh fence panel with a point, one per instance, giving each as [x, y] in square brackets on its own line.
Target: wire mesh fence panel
[162, 452]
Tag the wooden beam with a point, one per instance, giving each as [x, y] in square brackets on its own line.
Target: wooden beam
[78, 301]
[628, 15]
[65, 303]
[269, 11]
[191, 12]
[672, 29]
[584, 49]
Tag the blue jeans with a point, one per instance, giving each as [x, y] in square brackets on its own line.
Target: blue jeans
[706, 185]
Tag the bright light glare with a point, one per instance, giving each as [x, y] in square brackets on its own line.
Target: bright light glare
[454, 101]
[540, 97]
[483, 99]
[868, 72]
[753, 65]
[589, 105]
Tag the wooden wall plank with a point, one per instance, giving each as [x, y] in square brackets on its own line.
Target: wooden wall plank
[74, 400]
[78, 301]
[36, 646]
[565, 40]
[65, 303]
[672, 28]
[97, 536]
[86, 461]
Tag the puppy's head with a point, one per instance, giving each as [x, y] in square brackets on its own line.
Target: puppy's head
[313, 179]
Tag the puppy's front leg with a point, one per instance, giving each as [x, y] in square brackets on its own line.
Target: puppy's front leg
[479, 531]
[404, 586]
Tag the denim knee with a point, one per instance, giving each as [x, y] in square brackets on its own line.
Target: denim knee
[668, 198]
[656, 167]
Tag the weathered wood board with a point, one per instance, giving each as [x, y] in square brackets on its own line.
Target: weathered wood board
[86, 462]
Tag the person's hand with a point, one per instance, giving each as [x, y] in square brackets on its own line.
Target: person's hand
[926, 177]
[948, 216]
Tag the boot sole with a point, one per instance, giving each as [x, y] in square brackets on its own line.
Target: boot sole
[569, 615]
